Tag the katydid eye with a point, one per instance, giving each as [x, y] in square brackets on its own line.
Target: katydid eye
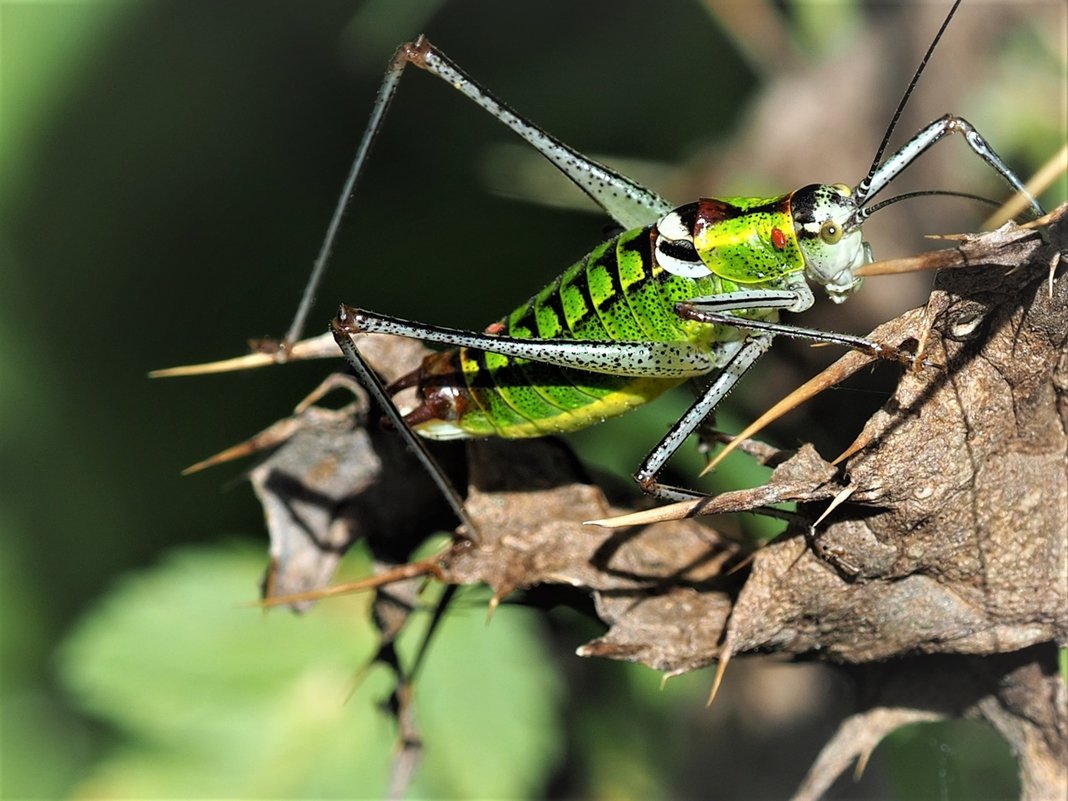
[830, 232]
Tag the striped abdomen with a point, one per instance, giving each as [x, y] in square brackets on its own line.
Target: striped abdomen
[618, 292]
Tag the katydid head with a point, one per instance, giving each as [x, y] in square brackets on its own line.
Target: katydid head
[829, 237]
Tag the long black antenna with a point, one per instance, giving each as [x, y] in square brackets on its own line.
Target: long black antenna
[863, 185]
[926, 193]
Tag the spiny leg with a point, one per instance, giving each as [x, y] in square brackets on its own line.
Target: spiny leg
[716, 310]
[698, 312]
[752, 349]
[796, 298]
[626, 201]
[886, 172]
[623, 358]
[632, 359]
[882, 173]
[371, 383]
[619, 358]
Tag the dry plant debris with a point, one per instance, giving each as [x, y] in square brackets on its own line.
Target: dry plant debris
[941, 583]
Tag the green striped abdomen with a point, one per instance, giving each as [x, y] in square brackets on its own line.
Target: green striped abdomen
[617, 292]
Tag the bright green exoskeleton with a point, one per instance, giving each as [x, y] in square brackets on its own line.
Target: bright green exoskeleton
[627, 290]
[683, 292]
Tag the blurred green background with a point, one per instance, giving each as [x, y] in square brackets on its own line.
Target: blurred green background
[166, 172]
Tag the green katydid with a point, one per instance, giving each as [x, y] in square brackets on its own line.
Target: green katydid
[683, 292]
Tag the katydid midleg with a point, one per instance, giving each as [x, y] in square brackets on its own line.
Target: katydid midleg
[685, 292]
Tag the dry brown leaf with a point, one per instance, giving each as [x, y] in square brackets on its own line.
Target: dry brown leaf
[950, 554]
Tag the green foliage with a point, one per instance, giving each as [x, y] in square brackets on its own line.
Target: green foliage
[953, 760]
[211, 699]
[488, 704]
